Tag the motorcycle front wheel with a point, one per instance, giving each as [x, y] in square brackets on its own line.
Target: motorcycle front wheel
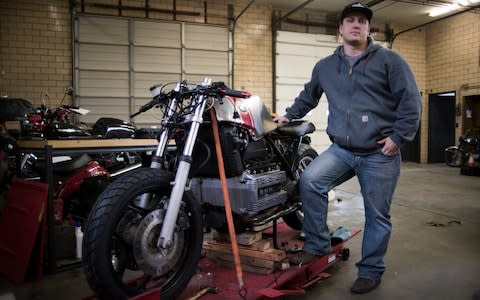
[120, 254]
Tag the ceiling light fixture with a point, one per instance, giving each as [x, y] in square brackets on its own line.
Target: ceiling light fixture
[451, 7]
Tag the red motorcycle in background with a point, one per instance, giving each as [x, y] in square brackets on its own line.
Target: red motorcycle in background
[11, 109]
[78, 180]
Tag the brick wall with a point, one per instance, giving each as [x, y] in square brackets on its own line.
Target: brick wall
[444, 57]
[453, 52]
[253, 50]
[411, 45]
[453, 59]
[35, 49]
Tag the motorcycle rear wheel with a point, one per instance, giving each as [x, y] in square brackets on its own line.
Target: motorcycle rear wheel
[306, 154]
[110, 239]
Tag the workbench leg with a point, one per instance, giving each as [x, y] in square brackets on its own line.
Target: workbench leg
[51, 252]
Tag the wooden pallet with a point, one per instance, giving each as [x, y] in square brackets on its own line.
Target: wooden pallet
[256, 254]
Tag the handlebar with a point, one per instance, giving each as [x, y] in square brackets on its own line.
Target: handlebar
[235, 93]
[223, 90]
[146, 107]
[216, 89]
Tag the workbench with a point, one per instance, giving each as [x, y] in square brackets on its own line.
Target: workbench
[49, 148]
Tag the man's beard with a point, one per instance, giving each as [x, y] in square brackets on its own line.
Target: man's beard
[355, 42]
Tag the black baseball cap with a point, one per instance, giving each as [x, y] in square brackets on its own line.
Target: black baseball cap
[356, 7]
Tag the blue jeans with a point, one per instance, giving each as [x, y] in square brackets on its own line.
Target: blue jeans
[377, 175]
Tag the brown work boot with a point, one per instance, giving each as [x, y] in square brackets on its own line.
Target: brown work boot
[364, 285]
[302, 258]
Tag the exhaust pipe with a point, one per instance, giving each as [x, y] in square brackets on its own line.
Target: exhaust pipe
[281, 213]
[127, 169]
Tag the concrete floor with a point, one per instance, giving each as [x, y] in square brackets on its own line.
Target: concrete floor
[434, 252]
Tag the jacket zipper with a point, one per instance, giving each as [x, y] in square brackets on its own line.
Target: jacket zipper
[348, 126]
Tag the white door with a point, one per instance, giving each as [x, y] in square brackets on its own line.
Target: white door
[296, 55]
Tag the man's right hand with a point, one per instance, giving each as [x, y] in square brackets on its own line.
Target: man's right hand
[281, 119]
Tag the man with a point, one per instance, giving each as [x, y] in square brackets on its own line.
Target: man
[374, 107]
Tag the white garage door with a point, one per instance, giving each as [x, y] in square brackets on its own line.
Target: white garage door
[296, 55]
[117, 60]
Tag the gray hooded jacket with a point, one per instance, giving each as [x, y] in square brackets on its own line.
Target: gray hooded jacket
[375, 98]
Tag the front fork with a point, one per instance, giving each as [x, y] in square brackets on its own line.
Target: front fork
[181, 175]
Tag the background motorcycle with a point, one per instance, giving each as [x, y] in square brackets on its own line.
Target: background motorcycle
[148, 225]
[61, 124]
[468, 145]
[54, 124]
[11, 109]
[78, 179]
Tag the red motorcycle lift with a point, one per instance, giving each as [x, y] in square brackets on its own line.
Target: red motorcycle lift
[218, 282]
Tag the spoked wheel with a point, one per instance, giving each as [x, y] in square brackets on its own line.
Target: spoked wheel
[306, 154]
[120, 253]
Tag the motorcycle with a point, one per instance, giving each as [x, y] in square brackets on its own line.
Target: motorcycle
[466, 153]
[146, 229]
[11, 110]
[54, 124]
[60, 123]
[78, 179]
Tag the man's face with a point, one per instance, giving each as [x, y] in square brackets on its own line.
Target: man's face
[354, 29]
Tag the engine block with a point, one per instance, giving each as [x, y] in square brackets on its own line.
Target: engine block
[249, 194]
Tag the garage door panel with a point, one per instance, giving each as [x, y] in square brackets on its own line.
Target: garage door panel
[206, 37]
[296, 49]
[295, 81]
[103, 57]
[157, 34]
[206, 62]
[313, 116]
[110, 64]
[104, 108]
[288, 92]
[295, 68]
[317, 116]
[317, 52]
[144, 81]
[103, 30]
[103, 84]
[297, 54]
[157, 60]
[192, 78]
[306, 38]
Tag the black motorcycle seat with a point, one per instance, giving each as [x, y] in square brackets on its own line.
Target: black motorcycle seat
[65, 167]
[296, 128]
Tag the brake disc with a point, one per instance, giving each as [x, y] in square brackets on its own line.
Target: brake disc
[154, 260]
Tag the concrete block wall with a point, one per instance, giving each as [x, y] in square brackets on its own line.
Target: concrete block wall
[453, 59]
[35, 49]
[453, 53]
[444, 56]
[411, 45]
[253, 50]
